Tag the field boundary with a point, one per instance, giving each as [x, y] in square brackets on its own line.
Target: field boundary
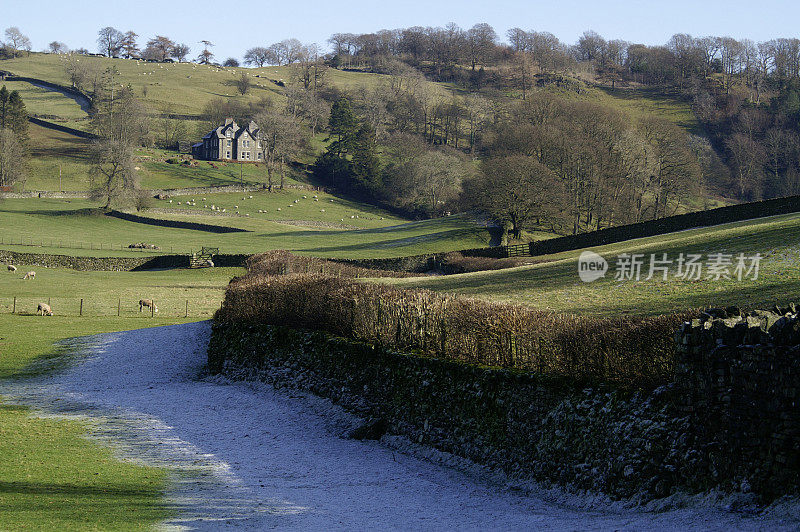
[175, 224]
[671, 224]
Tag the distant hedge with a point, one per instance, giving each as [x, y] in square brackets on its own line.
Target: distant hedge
[670, 224]
[628, 350]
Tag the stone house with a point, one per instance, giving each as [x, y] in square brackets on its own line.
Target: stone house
[229, 142]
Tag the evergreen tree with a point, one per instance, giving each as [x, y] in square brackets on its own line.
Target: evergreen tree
[366, 167]
[17, 116]
[13, 115]
[344, 124]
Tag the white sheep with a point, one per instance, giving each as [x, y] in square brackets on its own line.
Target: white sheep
[44, 309]
[149, 303]
[30, 275]
[12, 268]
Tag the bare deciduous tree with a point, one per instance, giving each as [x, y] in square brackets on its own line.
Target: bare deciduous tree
[109, 41]
[13, 159]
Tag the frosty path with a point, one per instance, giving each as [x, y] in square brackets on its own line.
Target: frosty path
[247, 456]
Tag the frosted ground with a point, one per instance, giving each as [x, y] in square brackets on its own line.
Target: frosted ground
[247, 456]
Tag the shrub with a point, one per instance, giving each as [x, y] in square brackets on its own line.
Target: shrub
[629, 350]
[280, 262]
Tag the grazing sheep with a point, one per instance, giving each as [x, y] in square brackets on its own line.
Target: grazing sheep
[30, 275]
[147, 303]
[44, 309]
[12, 268]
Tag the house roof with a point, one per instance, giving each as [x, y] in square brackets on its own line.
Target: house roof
[230, 125]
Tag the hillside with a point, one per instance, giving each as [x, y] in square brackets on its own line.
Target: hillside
[344, 229]
[553, 284]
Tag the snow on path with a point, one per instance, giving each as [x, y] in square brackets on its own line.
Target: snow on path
[244, 455]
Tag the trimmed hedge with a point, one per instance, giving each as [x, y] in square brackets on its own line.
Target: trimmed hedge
[630, 350]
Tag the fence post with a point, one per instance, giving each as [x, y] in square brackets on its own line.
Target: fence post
[14, 308]
[80, 312]
[119, 304]
[187, 309]
[152, 307]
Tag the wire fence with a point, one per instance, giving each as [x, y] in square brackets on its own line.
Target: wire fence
[78, 244]
[120, 307]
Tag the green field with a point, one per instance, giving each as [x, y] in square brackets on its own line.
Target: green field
[53, 478]
[48, 223]
[644, 102]
[181, 87]
[40, 101]
[554, 283]
[200, 291]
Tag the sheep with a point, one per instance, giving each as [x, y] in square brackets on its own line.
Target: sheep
[44, 309]
[30, 275]
[147, 303]
[12, 268]
[209, 263]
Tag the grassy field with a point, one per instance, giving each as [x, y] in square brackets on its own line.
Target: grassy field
[643, 102]
[554, 283]
[47, 223]
[40, 101]
[156, 172]
[181, 87]
[53, 152]
[103, 291]
[53, 478]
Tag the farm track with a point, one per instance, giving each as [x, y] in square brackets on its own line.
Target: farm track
[247, 456]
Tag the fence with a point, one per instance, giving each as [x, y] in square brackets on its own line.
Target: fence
[109, 307]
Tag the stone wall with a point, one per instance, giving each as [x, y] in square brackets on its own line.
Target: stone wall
[728, 421]
[739, 378]
[145, 262]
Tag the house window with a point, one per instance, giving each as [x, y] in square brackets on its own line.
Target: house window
[259, 156]
[227, 155]
[229, 142]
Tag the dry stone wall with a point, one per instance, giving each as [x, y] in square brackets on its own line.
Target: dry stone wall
[729, 420]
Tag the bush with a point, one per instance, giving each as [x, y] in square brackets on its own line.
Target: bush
[455, 262]
[280, 262]
[629, 350]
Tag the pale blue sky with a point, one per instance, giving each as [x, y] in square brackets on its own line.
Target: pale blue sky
[262, 23]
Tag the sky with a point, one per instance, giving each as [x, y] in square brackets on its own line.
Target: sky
[233, 29]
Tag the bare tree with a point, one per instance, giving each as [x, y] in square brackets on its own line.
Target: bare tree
[57, 47]
[517, 191]
[112, 170]
[205, 56]
[281, 139]
[18, 40]
[309, 70]
[480, 41]
[128, 46]
[159, 48]
[243, 83]
[109, 41]
[179, 52]
[13, 159]
[258, 56]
